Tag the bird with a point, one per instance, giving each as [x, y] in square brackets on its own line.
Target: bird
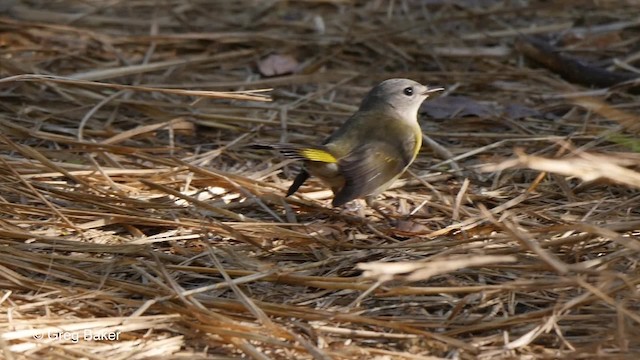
[371, 149]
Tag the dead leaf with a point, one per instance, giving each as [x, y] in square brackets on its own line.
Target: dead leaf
[423, 270]
[448, 107]
[277, 64]
[629, 120]
[588, 167]
[518, 111]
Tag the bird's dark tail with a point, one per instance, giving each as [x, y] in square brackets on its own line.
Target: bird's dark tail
[262, 146]
[299, 180]
[299, 152]
[290, 151]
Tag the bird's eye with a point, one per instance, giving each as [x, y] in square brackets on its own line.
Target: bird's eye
[408, 91]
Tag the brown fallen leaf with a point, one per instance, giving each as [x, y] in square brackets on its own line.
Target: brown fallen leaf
[629, 120]
[588, 167]
[423, 270]
[516, 111]
[456, 106]
[277, 64]
[448, 107]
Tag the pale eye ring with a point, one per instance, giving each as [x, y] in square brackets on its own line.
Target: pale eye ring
[408, 91]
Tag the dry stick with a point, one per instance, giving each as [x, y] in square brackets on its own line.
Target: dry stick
[211, 323]
[604, 28]
[533, 334]
[346, 283]
[627, 242]
[314, 350]
[247, 279]
[103, 74]
[628, 120]
[240, 95]
[93, 110]
[38, 194]
[411, 271]
[401, 326]
[459, 198]
[248, 348]
[608, 299]
[240, 341]
[272, 82]
[363, 333]
[168, 289]
[496, 145]
[27, 133]
[257, 311]
[174, 288]
[123, 136]
[443, 152]
[425, 183]
[585, 166]
[555, 263]
[62, 244]
[276, 309]
[154, 29]
[560, 311]
[105, 176]
[238, 187]
[374, 349]
[356, 302]
[202, 204]
[474, 221]
[473, 152]
[515, 32]
[205, 158]
[260, 315]
[30, 152]
[284, 110]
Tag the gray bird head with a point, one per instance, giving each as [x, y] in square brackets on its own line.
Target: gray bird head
[400, 96]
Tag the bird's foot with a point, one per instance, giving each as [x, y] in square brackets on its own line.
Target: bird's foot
[353, 206]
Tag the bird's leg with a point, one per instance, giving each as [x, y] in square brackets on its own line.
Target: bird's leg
[375, 205]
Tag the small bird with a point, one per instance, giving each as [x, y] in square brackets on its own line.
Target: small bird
[371, 149]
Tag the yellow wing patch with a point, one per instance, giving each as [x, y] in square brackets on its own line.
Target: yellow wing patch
[318, 155]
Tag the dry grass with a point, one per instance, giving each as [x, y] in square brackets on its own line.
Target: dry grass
[132, 207]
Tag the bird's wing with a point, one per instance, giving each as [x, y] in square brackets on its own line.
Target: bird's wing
[372, 166]
[318, 154]
[300, 152]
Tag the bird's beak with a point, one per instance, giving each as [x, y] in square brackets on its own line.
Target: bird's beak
[432, 90]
